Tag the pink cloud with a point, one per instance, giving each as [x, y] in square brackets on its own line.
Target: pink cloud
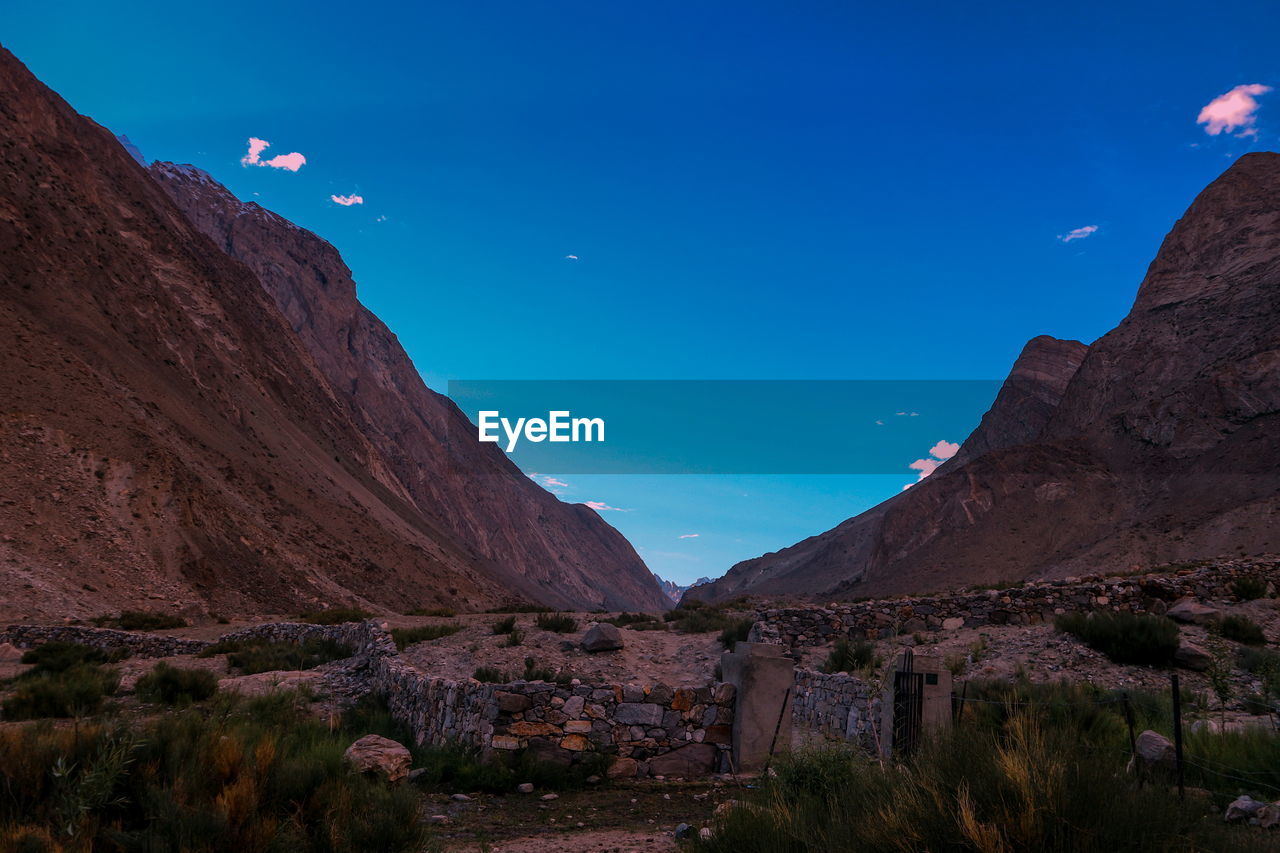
[293, 161]
[601, 506]
[347, 200]
[256, 147]
[1232, 110]
[1077, 233]
[689, 535]
[944, 449]
[552, 482]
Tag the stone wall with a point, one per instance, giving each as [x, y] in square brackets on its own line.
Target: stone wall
[835, 706]
[137, 644]
[1031, 604]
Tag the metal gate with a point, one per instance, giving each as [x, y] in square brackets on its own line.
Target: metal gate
[908, 705]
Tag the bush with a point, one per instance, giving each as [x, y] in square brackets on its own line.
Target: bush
[239, 775]
[1124, 637]
[409, 636]
[335, 616]
[504, 626]
[58, 656]
[140, 620]
[490, 675]
[442, 612]
[736, 633]
[254, 656]
[851, 657]
[558, 622]
[520, 608]
[73, 692]
[1241, 629]
[515, 638]
[171, 685]
[1247, 589]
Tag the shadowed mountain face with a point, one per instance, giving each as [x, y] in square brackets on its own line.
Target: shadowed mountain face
[1157, 443]
[171, 438]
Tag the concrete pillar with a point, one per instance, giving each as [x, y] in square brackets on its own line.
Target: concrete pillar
[763, 677]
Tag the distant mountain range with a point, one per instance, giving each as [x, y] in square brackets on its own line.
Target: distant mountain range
[1157, 443]
[675, 591]
[196, 413]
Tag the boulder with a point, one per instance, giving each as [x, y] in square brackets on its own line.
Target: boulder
[1243, 808]
[623, 768]
[1269, 816]
[602, 637]
[689, 762]
[1191, 656]
[638, 714]
[379, 755]
[1189, 611]
[1153, 750]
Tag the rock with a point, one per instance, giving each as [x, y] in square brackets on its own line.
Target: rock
[690, 761]
[546, 798]
[683, 831]
[724, 808]
[546, 751]
[9, 653]
[602, 637]
[1242, 808]
[460, 798]
[954, 623]
[380, 755]
[416, 775]
[622, 768]
[574, 743]
[512, 703]
[1154, 750]
[1189, 611]
[638, 714]
[438, 819]
[505, 742]
[705, 833]
[593, 779]
[1269, 816]
[1191, 656]
[525, 787]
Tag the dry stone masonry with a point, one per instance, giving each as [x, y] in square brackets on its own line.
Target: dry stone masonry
[1031, 604]
[835, 706]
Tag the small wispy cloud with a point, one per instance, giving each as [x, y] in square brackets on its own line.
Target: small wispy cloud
[347, 200]
[291, 162]
[554, 483]
[601, 506]
[570, 257]
[1233, 110]
[1078, 233]
[689, 535]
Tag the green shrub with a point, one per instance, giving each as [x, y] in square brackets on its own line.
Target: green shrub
[335, 616]
[171, 685]
[254, 656]
[558, 622]
[490, 675]
[520, 608]
[140, 620]
[504, 626]
[1241, 629]
[409, 636]
[1249, 588]
[533, 672]
[76, 691]
[736, 633]
[441, 612]
[850, 657]
[1137, 638]
[59, 656]
[639, 621]
[515, 638]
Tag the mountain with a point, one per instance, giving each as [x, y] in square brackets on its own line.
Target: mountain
[674, 591]
[1157, 443]
[168, 439]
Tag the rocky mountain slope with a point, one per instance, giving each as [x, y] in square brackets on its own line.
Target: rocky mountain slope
[168, 440]
[1156, 444]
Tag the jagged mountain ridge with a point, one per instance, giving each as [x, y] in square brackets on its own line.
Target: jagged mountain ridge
[166, 438]
[1154, 445]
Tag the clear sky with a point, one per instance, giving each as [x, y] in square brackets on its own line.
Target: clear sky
[800, 190]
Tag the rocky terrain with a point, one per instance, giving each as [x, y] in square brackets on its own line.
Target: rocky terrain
[1156, 444]
[170, 437]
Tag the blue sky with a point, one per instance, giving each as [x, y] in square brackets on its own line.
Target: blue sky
[822, 190]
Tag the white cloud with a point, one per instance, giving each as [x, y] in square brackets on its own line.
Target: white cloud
[601, 506]
[1077, 233]
[939, 453]
[1236, 109]
[689, 535]
[944, 449]
[570, 257]
[347, 200]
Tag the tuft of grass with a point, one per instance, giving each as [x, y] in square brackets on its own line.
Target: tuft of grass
[504, 626]
[77, 691]
[558, 622]
[490, 675]
[254, 656]
[409, 636]
[441, 612]
[1241, 629]
[335, 616]
[736, 633]
[1249, 588]
[515, 638]
[171, 685]
[140, 620]
[59, 656]
[521, 607]
[1137, 638]
[851, 657]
